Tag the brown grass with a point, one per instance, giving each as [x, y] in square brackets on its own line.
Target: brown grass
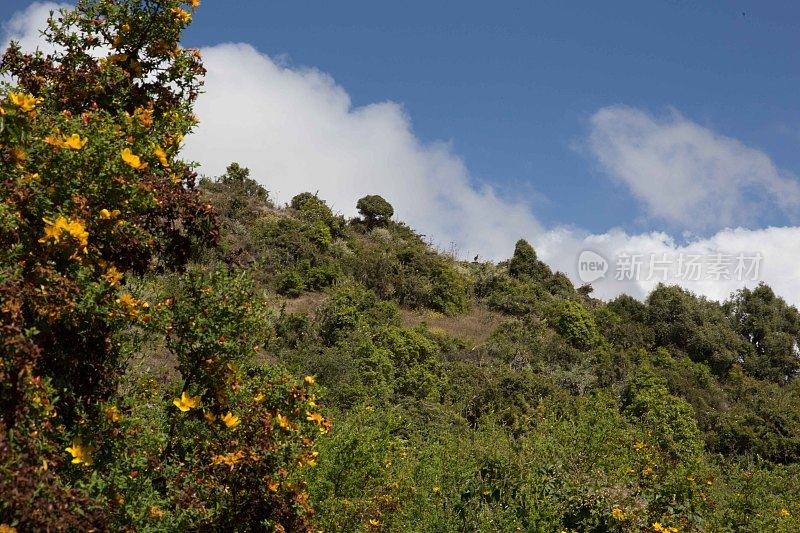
[473, 327]
[308, 302]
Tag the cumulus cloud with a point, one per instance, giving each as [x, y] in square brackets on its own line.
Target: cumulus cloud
[714, 267]
[686, 174]
[298, 131]
[25, 26]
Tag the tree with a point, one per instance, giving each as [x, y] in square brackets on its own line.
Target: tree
[772, 327]
[375, 210]
[695, 326]
[525, 265]
[238, 178]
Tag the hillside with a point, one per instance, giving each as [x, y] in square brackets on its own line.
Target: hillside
[187, 355]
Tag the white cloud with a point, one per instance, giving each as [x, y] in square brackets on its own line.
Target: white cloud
[24, 26]
[298, 130]
[687, 174]
[779, 265]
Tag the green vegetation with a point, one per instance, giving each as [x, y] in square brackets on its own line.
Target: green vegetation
[179, 356]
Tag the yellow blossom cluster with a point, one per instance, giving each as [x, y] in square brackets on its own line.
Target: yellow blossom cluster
[308, 459]
[283, 422]
[68, 142]
[658, 527]
[618, 514]
[113, 414]
[133, 160]
[80, 452]
[25, 102]
[105, 214]
[112, 276]
[130, 305]
[182, 15]
[228, 459]
[161, 155]
[323, 424]
[55, 230]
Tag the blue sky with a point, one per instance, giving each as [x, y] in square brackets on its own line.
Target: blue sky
[511, 85]
[622, 127]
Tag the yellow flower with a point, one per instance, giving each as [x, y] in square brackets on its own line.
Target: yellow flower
[161, 155]
[229, 459]
[317, 418]
[73, 227]
[308, 459]
[108, 215]
[273, 486]
[374, 522]
[309, 380]
[80, 453]
[26, 102]
[78, 232]
[186, 402]
[259, 398]
[436, 490]
[283, 421]
[661, 528]
[133, 160]
[112, 414]
[5, 528]
[193, 3]
[129, 304]
[74, 142]
[618, 514]
[231, 420]
[18, 155]
[181, 15]
[145, 117]
[30, 177]
[785, 513]
[638, 446]
[52, 230]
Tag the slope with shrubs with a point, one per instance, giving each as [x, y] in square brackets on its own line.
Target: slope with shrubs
[180, 356]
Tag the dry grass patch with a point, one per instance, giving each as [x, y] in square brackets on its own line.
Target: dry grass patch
[473, 327]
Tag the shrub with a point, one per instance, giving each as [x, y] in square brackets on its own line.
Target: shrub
[417, 368]
[573, 322]
[524, 264]
[290, 283]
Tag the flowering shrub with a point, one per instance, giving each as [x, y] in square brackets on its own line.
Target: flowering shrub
[92, 191]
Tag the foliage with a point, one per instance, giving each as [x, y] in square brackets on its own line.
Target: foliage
[375, 210]
[573, 322]
[163, 362]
